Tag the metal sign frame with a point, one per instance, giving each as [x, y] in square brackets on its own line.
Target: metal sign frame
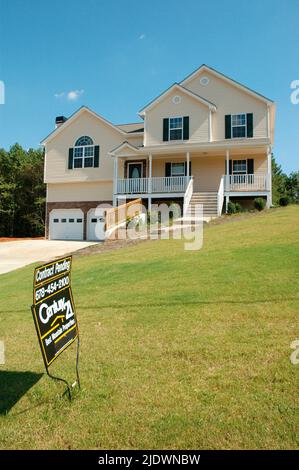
[52, 282]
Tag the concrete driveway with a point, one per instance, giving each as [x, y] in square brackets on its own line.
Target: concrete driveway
[16, 254]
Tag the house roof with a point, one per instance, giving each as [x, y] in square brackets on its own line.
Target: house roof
[215, 72]
[74, 116]
[123, 145]
[181, 89]
[131, 127]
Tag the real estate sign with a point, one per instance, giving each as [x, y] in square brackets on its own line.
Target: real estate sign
[53, 308]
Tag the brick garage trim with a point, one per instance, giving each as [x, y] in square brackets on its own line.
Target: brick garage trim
[84, 206]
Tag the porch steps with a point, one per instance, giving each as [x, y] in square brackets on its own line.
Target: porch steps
[208, 201]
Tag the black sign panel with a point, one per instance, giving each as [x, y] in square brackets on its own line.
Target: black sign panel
[53, 308]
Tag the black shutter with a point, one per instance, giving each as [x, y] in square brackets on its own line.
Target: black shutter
[167, 169]
[185, 127]
[228, 126]
[250, 166]
[96, 156]
[249, 125]
[71, 158]
[165, 129]
[230, 167]
[189, 168]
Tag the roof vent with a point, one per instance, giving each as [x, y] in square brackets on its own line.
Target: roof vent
[204, 81]
[60, 120]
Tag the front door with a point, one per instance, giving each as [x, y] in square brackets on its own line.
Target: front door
[135, 170]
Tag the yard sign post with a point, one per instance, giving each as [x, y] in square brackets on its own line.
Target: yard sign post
[54, 313]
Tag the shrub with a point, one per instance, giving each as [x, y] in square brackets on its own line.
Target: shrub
[259, 203]
[238, 207]
[234, 207]
[231, 207]
[284, 200]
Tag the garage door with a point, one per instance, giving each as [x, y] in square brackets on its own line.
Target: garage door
[66, 224]
[96, 224]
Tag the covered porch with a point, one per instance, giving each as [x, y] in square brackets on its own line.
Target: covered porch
[226, 172]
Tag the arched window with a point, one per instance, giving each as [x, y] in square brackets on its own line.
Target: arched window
[84, 140]
[84, 152]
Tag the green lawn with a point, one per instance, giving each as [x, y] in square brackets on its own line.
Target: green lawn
[180, 349]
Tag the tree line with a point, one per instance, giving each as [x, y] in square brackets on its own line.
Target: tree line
[23, 192]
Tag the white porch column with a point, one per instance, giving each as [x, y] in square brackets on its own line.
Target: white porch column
[115, 177]
[269, 177]
[149, 205]
[210, 125]
[150, 172]
[227, 170]
[227, 178]
[188, 164]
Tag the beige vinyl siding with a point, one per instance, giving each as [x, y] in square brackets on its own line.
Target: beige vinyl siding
[230, 100]
[57, 150]
[80, 192]
[198, 119]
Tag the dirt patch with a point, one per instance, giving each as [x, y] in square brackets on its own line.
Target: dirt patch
[13, 239]
[107, 246]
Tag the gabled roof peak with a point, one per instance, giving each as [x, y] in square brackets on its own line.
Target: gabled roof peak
[220, 75]
[182, 89]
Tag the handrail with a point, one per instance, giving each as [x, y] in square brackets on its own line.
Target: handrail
[220, 197]
[188, 196]
[118, 215]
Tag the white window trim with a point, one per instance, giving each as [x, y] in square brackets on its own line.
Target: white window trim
[135, 163]
[176, 163]
[176, 128]
[238, 172]
[83, 157]
[241, 125]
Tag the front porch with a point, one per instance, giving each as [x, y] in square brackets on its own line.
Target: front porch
[180, 175]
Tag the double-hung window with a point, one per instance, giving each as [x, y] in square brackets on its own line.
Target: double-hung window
[238, 125]
[83, 153]
[239, 167]
[178, 169]
[176, 128]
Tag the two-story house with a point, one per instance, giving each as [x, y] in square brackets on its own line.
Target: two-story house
[207, 139]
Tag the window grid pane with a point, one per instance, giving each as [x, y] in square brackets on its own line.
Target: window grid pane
[175, 123]
[239, 131]
[239, 166]
[78, 162]
[175, 134]
[177, 169]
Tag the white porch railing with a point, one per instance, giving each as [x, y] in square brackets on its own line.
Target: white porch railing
[220, 197]
[188, 196]
[132, 185]
[246, 182]
[167, 184]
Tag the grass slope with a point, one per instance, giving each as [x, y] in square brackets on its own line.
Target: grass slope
[179, 349]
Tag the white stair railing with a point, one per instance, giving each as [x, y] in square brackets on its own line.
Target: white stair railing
[188, 196]
[220, 197]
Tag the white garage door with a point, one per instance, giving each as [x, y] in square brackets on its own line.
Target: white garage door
[66, 224]
[96, 224]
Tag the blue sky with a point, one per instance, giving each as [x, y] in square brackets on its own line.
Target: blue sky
[115, 56]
